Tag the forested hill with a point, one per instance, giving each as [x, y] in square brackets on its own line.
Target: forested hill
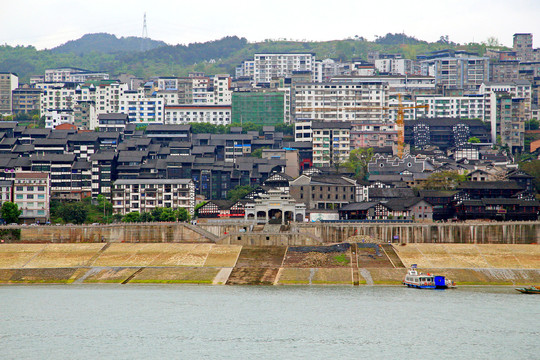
[213, 57]
[107, 43]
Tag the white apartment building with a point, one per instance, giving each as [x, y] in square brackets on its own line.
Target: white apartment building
[222, 89]
[142, 109]
[518, 90]
[8, 83]
[200, 93]
[342, 101]
[287, 110]
[302, 130]
[458, 72]
[268, 66]
[394, 66]
[56, 98]
[108, 96]
[31, 193]
[6, 191]
[60, 97]
[87, 76]
[53, 118]
[463, 107]
[186, 114]
[167, 83]
[396, 83]
[331, 142]
[409, 113]
[73, 75]
[362, 68]
[170, 97]
[144, 195]
[324, 70]
[246, 69]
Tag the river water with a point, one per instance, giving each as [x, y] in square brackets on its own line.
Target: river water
[235, 322]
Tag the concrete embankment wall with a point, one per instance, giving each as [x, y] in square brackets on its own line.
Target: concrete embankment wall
[162, 232]
[346, 264]
[464, 233]
[297, 234]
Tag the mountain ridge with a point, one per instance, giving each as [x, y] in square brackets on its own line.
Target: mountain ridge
[212, 57]
[107, 43]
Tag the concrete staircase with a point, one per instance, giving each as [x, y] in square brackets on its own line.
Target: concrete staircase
[392, 255]
[272, 228]
[132, 276]
[202, 232]
[253, 276]
[98, 254]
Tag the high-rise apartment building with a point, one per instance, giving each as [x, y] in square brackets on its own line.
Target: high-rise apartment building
[8, 82]
[342, 101]
[467, 72]
[523, 46]
[144, 195]
[331, 142]
[31, 193]
[268, 66]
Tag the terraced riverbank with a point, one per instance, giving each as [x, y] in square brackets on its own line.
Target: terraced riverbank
[205, 263]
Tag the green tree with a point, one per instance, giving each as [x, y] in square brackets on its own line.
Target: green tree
[492, 41]
[168, 215]
[105, 206]
[286, 129]
[198, 206]
[146, 217]
[258, 153]
[10, 212]
[444, 180]
[183, 215]
[532, 168]
[532, 124]
[474, 140]
[239, 192]
[157, 213]
[74, 212]
[358, 162]
[132, 217]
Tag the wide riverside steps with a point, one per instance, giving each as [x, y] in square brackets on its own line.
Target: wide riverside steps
[209, 263]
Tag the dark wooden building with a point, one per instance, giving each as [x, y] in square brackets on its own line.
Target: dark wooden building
[475, 190]
[498, 209]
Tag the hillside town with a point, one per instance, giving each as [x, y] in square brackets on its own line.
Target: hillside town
[287, 138]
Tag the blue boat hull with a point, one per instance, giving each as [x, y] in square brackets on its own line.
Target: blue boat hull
[426, 286]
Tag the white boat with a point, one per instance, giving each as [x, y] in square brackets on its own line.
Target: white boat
[426, 281]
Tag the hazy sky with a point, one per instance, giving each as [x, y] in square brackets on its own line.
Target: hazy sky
[49, 23]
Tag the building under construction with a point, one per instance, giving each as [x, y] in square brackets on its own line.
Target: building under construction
[264, 108]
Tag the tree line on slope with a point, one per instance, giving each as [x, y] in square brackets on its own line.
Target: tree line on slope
[212, 57]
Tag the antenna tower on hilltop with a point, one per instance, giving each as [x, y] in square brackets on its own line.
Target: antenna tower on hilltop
[144, 37]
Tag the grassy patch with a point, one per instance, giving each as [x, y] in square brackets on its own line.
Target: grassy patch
[177, 281]
[38, 281]
[342, 259]
[484, 283]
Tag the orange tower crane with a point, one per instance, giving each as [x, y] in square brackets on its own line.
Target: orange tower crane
[400, 122]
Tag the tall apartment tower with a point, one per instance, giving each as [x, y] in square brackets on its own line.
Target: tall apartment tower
[267, 66]
[8, 83]
[523, 46]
